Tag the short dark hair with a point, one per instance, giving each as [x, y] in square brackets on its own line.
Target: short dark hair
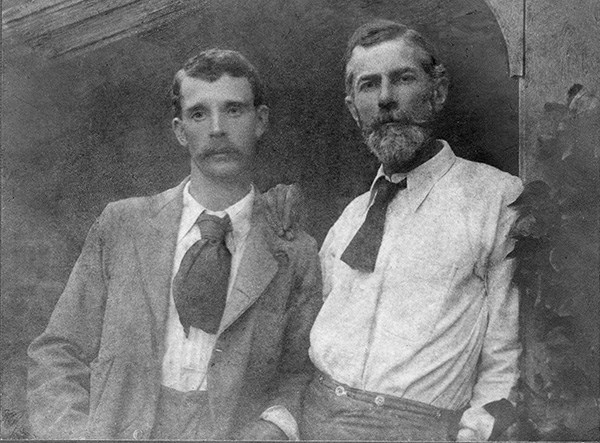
[210, 66]
[381, 30]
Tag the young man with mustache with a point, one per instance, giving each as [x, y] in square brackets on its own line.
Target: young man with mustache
[186, 316]
[417, 338]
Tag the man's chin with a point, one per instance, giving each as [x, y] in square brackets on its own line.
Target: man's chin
[395, 144]
[224, 166]
[396, 162]
[394, 153]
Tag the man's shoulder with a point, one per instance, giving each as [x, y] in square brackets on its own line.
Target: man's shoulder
[304, 242]
[300, 246]
[134, 208]
[484, 179]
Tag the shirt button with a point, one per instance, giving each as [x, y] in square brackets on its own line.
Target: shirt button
[340, 391]
[138, 434]
[379, 400]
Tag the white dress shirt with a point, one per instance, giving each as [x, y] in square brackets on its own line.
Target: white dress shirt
[186, 360]
[437, 320]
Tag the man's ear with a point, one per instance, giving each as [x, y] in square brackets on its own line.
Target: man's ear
[262, 117]
[352, 108]
[177, 125]
[440, 93]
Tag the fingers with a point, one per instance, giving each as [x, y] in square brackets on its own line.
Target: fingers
[286, 219]
[291, 215]
[274, 222]
[272, 205]
[282, 214]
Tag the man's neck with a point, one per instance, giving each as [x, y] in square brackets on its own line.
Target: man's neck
[218, 194]
[429, 150]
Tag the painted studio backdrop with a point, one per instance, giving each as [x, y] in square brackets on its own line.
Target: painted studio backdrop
[86, 119]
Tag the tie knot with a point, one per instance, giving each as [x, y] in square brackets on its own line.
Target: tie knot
[214, 228]
[387, 190]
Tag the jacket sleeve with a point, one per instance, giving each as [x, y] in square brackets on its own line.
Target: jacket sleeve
[59, 376]
[295, 367]
[491, 408]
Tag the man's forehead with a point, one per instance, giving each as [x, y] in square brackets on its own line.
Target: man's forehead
[225, 89]
[387, 56]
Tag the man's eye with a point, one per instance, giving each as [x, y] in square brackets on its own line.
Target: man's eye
[407, 78]
[234, 111]
[198, 115]
[364, 86]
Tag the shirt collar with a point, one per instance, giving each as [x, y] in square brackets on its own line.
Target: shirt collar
[420, 180]
[240, 214]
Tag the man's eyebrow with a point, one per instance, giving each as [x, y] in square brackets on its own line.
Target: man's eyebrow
[401, 71]
[238, 103]
[195, 107]
[368, 77]
[202, 107]
[395, 72]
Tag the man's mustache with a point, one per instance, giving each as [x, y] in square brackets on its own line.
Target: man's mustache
[220, 149]
[400, 118]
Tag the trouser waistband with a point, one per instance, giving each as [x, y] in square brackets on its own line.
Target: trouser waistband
[385, 400]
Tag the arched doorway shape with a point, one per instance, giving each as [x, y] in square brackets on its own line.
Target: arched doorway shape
[510, 17]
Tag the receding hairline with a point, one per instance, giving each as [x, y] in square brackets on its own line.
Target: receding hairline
[420, 52]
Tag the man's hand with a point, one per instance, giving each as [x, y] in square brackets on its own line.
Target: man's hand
[282, 209]
[261, 430]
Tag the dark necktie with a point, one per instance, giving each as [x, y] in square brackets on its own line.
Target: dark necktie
[361, 253]
[200, 286]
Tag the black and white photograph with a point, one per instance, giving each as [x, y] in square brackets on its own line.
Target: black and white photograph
[321, 220]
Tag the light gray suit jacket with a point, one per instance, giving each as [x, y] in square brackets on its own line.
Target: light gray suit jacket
[97, 367]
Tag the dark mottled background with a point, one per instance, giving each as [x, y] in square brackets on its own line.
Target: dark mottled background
[79, 132]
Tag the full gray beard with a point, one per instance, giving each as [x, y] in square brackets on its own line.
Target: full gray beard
[396, 144]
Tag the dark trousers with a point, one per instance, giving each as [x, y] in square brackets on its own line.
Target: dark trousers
[182, 416]
[334, 411]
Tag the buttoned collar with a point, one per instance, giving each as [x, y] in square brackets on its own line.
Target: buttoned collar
[240, 214]
[420, 180]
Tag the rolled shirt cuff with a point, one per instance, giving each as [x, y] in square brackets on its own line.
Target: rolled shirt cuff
[281, 417]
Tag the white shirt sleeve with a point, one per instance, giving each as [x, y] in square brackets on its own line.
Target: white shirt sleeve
[498, 366]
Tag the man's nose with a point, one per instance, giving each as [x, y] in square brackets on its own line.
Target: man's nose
[216, 125]
[387, 100]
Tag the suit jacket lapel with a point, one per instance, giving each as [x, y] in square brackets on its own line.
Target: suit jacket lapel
[257, 268]
[156, 248]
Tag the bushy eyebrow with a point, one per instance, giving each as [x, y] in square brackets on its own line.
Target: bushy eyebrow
[227, 104]
[241, 104]
[393, 74]
[368, 78]
[400, 72]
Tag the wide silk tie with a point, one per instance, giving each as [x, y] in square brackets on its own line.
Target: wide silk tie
[200, 286]
[361, 253]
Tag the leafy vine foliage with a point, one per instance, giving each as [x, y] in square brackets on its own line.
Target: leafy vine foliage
[557, 247]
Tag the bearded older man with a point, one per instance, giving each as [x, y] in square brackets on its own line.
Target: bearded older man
[418, 335]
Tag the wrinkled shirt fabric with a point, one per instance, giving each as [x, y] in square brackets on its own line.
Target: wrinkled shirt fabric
[437, 320]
